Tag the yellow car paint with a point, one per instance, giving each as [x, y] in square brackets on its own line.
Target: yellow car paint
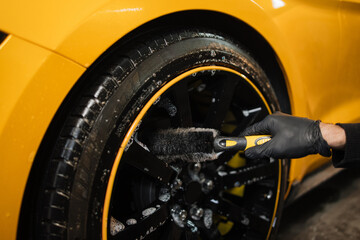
[33, 84]
[52, 43]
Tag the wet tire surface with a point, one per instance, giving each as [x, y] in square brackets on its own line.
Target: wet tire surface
[330, 211]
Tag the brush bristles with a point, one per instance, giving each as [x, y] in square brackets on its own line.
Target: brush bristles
[187, 144]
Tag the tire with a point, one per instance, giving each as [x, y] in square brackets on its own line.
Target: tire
[101, 182]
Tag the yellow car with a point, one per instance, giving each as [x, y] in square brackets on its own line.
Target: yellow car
[83, 83]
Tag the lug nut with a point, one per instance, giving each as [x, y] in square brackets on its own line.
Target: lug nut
[196, 167]
[177, 184]
[208, 185]
[196, 213]
[179, 215]
[182, 215]
[269, 195]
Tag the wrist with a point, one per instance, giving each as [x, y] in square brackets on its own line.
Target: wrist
[334, 135]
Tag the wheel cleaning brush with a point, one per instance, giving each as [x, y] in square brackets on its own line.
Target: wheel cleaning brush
[197, 144]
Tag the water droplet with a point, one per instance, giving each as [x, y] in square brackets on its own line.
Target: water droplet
[194, 74]
[148, 211]
[222, 173]
[245, 221]
[269, 195]
[208, 221]
[164, 195]
[131, 221]
[201, 87]
[172, 110]
[157, 100]
[116, 226]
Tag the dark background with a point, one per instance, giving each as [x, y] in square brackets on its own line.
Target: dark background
[330, 211]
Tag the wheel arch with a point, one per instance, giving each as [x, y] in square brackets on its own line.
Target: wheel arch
[237, 29]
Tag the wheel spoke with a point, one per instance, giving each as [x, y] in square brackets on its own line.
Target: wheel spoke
[212, 233]
[259, 223]
[147, 163]
[144, 222]
[220, 103]
[233, 198]
[173, 232]
[180, 94]
[247, 175]
[225, 157]
[228, 209]
[242, 215]
[246, 122]
[191, 236]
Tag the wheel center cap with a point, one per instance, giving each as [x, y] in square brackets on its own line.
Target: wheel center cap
[192, 192]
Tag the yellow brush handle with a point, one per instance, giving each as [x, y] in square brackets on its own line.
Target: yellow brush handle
[239, 143]
[256, 140]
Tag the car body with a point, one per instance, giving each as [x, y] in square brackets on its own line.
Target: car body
[49, 46]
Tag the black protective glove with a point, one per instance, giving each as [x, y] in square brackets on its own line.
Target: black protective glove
[292, 137]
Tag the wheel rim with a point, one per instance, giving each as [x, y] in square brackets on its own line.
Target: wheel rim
[183, 199]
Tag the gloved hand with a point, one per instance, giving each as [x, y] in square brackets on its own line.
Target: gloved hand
[292, 137]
